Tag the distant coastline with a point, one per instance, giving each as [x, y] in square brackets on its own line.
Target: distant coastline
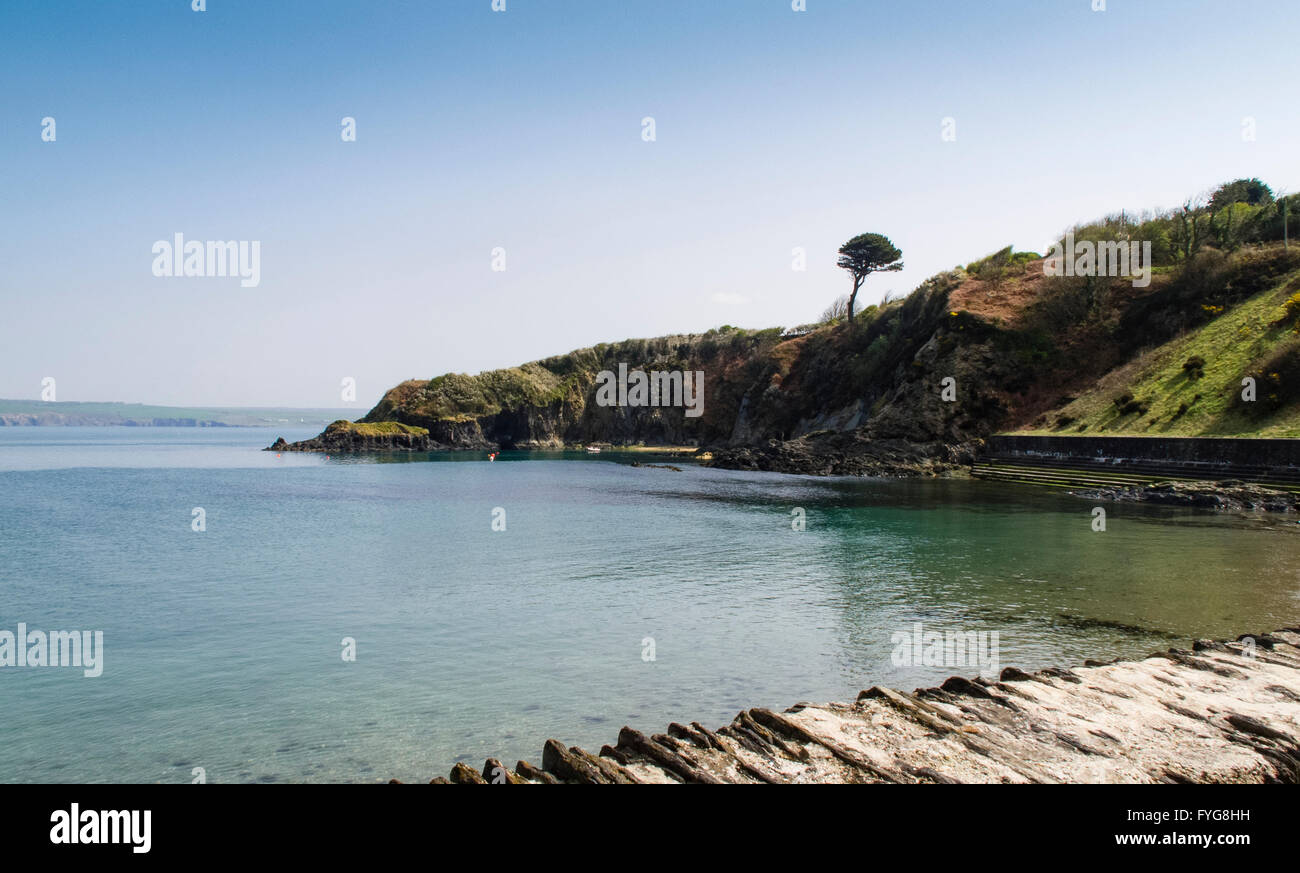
[36, 413]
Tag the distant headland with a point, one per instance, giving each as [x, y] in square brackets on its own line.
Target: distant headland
[38, 413]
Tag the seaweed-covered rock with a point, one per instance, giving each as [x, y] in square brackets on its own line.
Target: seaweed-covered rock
[1230, 495]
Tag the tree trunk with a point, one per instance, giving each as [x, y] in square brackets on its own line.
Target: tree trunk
[857, 283]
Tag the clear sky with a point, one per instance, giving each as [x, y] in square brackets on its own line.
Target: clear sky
[522, 129]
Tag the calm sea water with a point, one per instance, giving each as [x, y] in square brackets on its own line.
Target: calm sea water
[223, 647]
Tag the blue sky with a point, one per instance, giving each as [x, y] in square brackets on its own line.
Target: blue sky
[522, 130]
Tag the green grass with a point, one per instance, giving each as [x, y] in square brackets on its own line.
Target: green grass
[1232, 346]
[459, 395]
[379, 428]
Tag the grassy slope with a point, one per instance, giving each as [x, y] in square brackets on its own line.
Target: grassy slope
[374, 429]
[1232, 345]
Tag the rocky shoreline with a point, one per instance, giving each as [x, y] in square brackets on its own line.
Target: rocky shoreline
[835, 453]
[825, 453]
[1231, 495]
[1222, 712]
[848, 453]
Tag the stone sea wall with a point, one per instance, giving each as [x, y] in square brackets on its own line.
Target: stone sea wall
[1187, 451]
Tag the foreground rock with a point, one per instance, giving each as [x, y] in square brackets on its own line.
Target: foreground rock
[838, 453]
[1225, 712]
[1229, 496]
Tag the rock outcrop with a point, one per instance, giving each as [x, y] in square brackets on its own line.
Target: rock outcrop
[344, 437]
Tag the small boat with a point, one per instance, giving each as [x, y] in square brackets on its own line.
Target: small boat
[593, 450]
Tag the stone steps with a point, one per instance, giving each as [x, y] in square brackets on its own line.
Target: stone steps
[1103, 475]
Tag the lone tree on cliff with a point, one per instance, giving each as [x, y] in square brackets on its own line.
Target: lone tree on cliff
[865, 254]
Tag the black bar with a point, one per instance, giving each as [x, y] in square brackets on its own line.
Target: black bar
[329, 822]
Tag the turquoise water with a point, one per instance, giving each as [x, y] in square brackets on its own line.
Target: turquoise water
[223, 647]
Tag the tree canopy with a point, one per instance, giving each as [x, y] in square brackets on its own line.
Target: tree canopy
[865, 254]
[1251, 191]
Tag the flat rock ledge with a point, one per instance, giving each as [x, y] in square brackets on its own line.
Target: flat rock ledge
[1226, 495]
[1225, 712]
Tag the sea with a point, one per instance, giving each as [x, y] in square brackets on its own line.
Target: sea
[270, 617]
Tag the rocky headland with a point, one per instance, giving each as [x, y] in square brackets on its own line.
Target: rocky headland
[911, 386]
[344, 437]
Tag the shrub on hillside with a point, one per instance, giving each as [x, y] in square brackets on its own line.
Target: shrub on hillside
[1128, 405]
[1292, 309]
[1238, 213]
[1001, 264]
[1277, 380]
[836, 312]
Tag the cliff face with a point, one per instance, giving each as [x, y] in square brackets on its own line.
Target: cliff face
[883, 375]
